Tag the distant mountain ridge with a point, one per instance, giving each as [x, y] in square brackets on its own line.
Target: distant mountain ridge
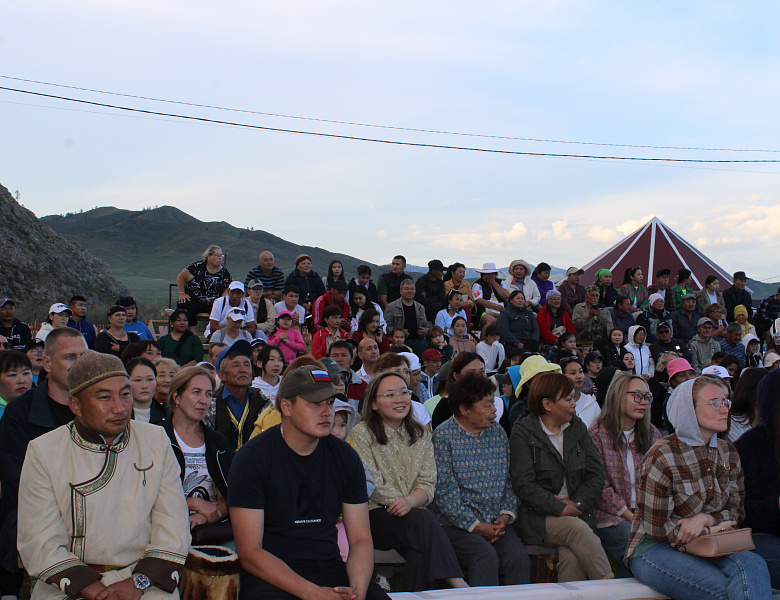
[42, 266]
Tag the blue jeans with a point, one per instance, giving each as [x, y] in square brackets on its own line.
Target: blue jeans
[739, 576]
[768, 548]
[614, 540]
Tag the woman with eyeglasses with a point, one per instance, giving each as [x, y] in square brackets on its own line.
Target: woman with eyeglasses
[398, 453]
[691, 483]
[557, 476]
[622, 435]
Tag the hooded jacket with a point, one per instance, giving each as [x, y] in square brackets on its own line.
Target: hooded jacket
[757, 452]
[538, 471]
[644, 364]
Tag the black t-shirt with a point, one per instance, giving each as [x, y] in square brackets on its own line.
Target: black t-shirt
[60, 412]
[410, 321]
[301, 495]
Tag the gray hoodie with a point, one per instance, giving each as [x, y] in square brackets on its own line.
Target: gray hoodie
[682, 416]
[340, 405]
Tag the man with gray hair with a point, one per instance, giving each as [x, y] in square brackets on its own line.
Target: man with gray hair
[78, 534]
[732, 345]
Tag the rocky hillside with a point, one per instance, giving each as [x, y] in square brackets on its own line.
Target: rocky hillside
[41, 266]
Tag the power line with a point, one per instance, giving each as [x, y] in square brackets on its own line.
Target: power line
[381, 141]
[356, 124]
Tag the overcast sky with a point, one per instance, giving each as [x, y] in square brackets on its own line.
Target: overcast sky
[693, 74]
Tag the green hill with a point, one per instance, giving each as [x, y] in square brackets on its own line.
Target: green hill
[147, 249]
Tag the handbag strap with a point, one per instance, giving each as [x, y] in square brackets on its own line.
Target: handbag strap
[726, 464]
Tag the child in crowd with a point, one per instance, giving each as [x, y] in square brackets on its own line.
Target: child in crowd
[429, 376]
[752, 351]
[567, 343]
[593, 363]
[286, 338]
[398, 337]
[438, 341]
[330, 332]
[585, 342]
[460, 340]
[643, 362]
[491, 351]
[289, 302]
[270, 363]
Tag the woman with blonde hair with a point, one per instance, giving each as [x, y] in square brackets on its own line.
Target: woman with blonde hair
[622, 434]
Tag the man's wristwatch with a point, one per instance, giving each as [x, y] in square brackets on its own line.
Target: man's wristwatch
[141, 581]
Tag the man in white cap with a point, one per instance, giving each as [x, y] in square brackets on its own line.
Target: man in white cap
[490, 293]
[572, 293]
[223, 305]
[233, 331]
[103, 514]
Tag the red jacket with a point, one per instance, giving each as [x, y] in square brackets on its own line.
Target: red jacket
[545, 319]
[320, 304]
[319, 342]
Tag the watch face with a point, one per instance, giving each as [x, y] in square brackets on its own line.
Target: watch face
[141, 582]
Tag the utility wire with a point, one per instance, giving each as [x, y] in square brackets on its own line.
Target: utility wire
[381, 141]
[268, 114]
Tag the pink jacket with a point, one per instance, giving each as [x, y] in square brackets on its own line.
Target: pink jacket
[289, 347]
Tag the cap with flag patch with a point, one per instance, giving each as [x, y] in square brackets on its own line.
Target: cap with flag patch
[310, 383]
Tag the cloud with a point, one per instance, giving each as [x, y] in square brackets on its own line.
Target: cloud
[557, 232]
[628, 227]
[517, 233]
[603, 235]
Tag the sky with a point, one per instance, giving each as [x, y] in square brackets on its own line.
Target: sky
[690, 75]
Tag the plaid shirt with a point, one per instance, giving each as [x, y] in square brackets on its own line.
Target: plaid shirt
[677, 481]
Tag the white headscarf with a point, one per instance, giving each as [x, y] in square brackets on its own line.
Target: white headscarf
[682, 416]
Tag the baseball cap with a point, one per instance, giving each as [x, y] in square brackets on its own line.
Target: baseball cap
[678, 365]
[574, 271]
[241, 346]
[253, 283]
[704, 321]
[432, 354]
[663, 325]
[58, 307]
[236, 314]
[310, 383]
[284, 313]
[414, 361]
[236, 285]
[716, 370]
[4, 301]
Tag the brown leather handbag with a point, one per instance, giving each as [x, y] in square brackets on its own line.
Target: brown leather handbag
[720, 543]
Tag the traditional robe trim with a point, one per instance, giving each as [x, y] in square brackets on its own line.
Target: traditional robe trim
[163, 555]
[59, 568]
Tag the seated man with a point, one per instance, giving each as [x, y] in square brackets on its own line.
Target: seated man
[622, 317]
[270, 276]
[702, 346]
[368, 353]
[409, 315]
[685, 320]
[78, 320]
[590, 316]
[103, 513]
[287, 490]
[389, 284]
[666, 343]
[335, 296]
[430, 290]
[224, 305]
[233, 331]
[16, 333]
[235, 405]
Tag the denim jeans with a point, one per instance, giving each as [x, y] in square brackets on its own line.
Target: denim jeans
[739, 576]
[768, 548]
[614, 540]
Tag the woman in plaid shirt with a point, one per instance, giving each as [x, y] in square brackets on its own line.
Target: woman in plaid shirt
[692, 483]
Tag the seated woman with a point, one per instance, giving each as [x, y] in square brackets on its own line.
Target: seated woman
[541, 277]
[716, 313]
[57, 318]
[370, 326]
[359, 301]
[474, 501]
[436, 339]
[15, 376]
[330, 332]
[634, 290]
[455, 279]
[743, 415]
[270, 362]
[180, 344]
[133, 324]
[612, 350]
[681, 287]
[463, 364]
[692, 483]
[758, 452]
[454, 309]
[148, 349]
[517, 324]
[143, 383]
[461, 341]
[558, 477]
[200, 283]
[398, 453]
[166, 370]
[520, 279]
[553, 320]
[741, 317]
[587, 407]
[608, 295]
[628, 360]
[710, 294]
[114, 339]
[622, 434]
[335, 272]
[204, 455]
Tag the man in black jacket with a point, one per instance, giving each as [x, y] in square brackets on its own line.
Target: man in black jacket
[737, 294]
[430, 290]
[11, 328]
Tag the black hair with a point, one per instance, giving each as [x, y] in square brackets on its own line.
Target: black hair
[682, 275]
[364, 270]
[183, 339]
[709, 280]
[330, 273]
[342, 344]
[400, 257]
[359, 289]
[76, 298]
[291, 288]
[630, 272]
[451, 269]
[540, 268]
[140, 361]
[13, 359]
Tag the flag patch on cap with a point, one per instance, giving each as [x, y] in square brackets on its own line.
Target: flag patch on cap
[320, 376]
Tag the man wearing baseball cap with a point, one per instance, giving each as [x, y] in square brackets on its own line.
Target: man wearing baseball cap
[222, 306]
[11, 328]
[288, 486]
[702, 346]
[572, 293]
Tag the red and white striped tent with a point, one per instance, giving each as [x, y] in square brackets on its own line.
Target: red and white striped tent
[653, 247]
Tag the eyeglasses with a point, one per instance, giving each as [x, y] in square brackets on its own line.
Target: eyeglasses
[237, 311]
[566, 359]
[392, 396]
[640, 398]
[339, 378]
[716, 403]
[35, 352]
